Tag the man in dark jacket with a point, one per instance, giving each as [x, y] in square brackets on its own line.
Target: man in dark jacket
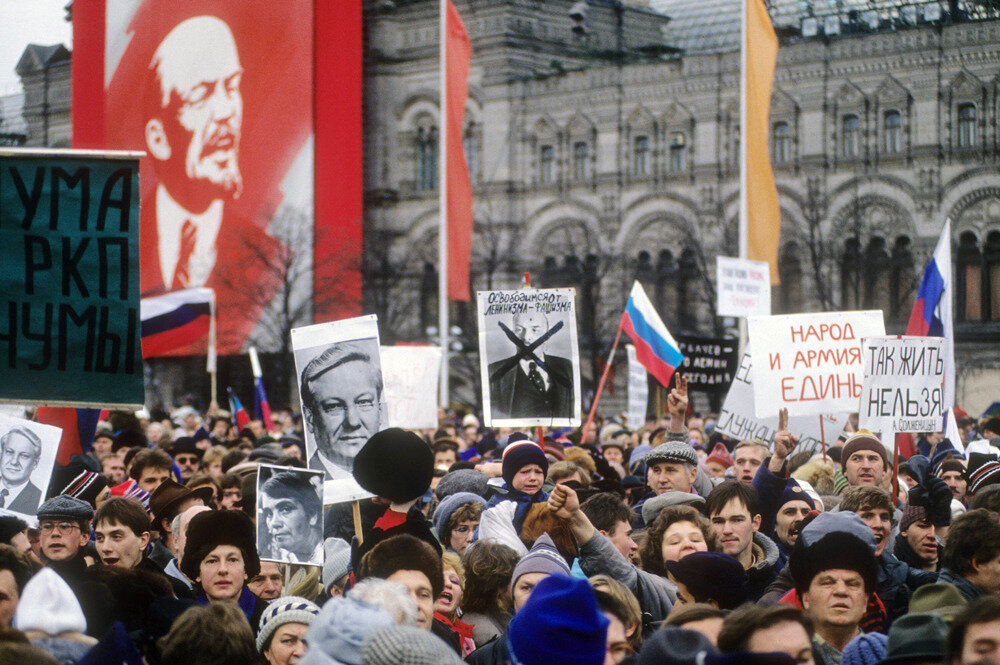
[734, 509]
[971, 557]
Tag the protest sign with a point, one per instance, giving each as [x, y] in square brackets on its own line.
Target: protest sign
[69, 233]
[290, 515]
[28, 450]
[529, 358]
[743, 287]
[809, 363]
[638, 390]
[709, 363]
[411, 376]
[342, 396]
[903, 388]
[739, 419]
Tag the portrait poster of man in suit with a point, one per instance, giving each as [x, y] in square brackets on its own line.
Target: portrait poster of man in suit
[227, 129]
[27, 455]
[342, 396]
[529, 357]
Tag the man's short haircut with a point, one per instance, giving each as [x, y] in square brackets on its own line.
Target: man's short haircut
[728, 490]
[445, 444]
[558, 471]
[213, 634]
[150, 458]
[204, 480]
[750, 443]
[973, 536]
[739, 627]
[611, 605]
[36, 443]
[126, 512]
[10, 526]
[866, 497]
[605, 511]
[230, 481]
[688, 612]
[232, 458]
[17, 564]
[984, 609]
[294, 486]
[333, 357]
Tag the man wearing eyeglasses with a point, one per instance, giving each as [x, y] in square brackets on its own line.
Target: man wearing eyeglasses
[63, 532]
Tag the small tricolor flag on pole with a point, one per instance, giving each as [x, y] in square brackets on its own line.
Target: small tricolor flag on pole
[655, 347]
[932, 312]
[240, 416]
[176, 320]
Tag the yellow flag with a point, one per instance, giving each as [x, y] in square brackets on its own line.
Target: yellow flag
[763, 223]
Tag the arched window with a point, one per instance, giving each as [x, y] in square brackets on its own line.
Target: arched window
[967, 126]
[678, 146]
[991, 267]
[850, 275]
[581, 160]
[893, 127]
[970, 278]
[782, 142]
[640, 155]
[666, 283]
[851, 139]
[876, 272]
[427, 146]
[546, 164]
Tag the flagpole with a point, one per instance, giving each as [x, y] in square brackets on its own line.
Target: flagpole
[604, 377]
[443, 206]
[744, 213]
[212, 359]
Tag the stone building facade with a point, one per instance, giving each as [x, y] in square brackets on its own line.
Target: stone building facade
[605, 149]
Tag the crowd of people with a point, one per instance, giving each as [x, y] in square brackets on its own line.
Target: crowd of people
[663, 543]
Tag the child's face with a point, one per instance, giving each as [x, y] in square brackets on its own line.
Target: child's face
[529, 479]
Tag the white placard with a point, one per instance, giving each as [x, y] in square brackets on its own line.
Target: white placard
[638, 390]
[738, 417]
[342, 397]
[290, 515]
[529, 359]
[743, 287]
[411, 376]
[810, 363]
[27, 454]
[903, 389]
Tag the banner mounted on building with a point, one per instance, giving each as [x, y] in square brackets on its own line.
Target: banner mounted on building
[903, 387]
[810, 363]
[69, 326]
[638, 390]
[411, 376]
[709, 363]
[529, 358]
[235, 139]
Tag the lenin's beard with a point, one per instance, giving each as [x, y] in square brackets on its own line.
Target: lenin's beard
[190, 175]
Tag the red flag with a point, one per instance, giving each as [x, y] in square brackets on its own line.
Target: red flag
[78, 427]
[458, 53]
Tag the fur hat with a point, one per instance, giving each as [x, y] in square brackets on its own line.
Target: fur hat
[395, 464]
[712, 576]
[212, 528]
[818, 474]
[559, 625]
[834, 540]
[287, 609]
[520, 454]
[402, 552]
[862, 440]
[462, 480]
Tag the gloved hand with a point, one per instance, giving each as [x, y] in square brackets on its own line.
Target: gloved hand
[939, 501]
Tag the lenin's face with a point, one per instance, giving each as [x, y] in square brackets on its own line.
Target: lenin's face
[345, 413]
[17, 459]
[529, 327]
[200, 74]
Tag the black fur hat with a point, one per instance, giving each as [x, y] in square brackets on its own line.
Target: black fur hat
[207, 530]
[403, 552]
[395, 464]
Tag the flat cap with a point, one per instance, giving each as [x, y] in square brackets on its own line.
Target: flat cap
[64, 507]
[672, 451]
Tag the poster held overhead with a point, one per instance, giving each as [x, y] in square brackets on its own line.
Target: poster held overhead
[27, 455]
[411, 376]
[810, 363]
[290, 514]
[638, 390]
[529, 358]
[903, 389]
[744, 287]
[342, 397]
[709, 363]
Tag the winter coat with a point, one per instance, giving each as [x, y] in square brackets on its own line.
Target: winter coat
[762, 573]
[897, 582]
[968, 590]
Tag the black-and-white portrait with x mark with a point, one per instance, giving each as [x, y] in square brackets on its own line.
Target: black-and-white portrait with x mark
[529, 357]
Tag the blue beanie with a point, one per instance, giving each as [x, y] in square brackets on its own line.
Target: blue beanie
[559, 625]
[793, 492]
[520, 454]
[866, 649]
[449, 505]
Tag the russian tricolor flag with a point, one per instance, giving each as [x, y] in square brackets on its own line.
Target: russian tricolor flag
[175, 320]
[932, 312]
[78, 427]
[655, 347]
[240, 415]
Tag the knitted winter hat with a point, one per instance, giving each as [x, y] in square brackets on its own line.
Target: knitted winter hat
[337, 561]
[395, 464]
[712, 576]
[671, 451]
[720, 455]
[677, 646]
[212, 528]
[48, 605]
[542, 558]
[448, 506]
[520, 454]
[865, 649]
[911, 513]
[462, 480]
[340, 630]
[986, 475]
[131, 490]
[287, 609]
[794, 492]
[559, 625]
[406, 645]
[862, 440]
[402, 552]
[77, 481]
[950, 465]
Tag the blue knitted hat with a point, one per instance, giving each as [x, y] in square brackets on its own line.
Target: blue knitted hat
[866, 649]
[793, 492]
[559, 625]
